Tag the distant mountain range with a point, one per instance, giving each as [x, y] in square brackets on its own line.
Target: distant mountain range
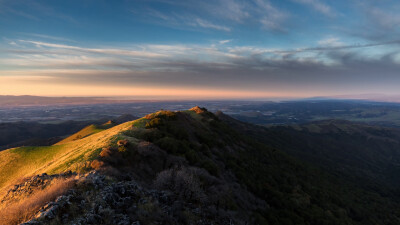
[28, 100]
[370, 97]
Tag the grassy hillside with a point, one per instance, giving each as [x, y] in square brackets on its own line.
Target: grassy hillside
[23, 133]
[42, 134]
[75, 155]
[87, 131]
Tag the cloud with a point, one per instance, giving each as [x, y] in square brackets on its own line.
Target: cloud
[271, 18]
[48, 37]
[331, 41]
[206, 24]
[34, 10]
[183, 21]
[198, 66]
[376, 21]
[172, 52]
[318, 6]
[219, 15]
[96, 50]
[384, 18]
[6, 9]
[228, 9]
[224, 41]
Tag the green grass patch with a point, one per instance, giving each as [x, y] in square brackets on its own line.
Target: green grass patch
[140, 123]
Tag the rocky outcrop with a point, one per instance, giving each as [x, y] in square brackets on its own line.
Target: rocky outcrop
[34, 183]
[98, 200]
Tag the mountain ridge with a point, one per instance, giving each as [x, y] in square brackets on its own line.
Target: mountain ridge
[207, 172]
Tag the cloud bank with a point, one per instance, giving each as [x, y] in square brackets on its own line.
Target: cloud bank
[216, 66]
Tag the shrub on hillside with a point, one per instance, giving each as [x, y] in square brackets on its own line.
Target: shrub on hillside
[206, 138]
[183, 182]
[163, 114]
[210, 166]
[123, 145]
[205, 150]
[192, 156]
[150, 135]
[166, 114]
[96, 164]
[154, 123]
[177, 131]
[171, 145]
[107, 152]
[116, 156]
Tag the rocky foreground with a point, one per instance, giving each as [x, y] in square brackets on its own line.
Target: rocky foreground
[99, 199]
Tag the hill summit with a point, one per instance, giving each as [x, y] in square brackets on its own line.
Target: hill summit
[198, 109]
[182, 167]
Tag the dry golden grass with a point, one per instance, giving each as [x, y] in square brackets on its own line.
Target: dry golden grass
[24, 209]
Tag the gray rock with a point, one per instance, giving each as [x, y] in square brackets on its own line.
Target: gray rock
[93, 219]
[48, 213]
[31, 222]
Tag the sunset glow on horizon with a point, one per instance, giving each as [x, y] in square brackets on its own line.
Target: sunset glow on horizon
[22, 87]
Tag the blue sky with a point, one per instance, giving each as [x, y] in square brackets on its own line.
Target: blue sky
[220, 48]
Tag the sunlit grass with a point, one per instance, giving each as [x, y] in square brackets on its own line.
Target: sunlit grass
[27, 161]
[85, 132]
[140, 123]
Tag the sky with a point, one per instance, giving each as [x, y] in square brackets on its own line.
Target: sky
[225, 49]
